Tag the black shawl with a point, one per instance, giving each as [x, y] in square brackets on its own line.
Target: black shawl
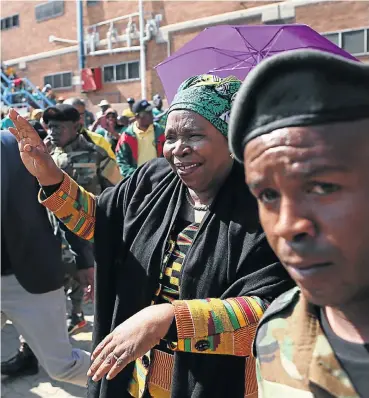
[230, 257]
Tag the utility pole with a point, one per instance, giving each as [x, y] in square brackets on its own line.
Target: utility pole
[81, 41]
[142, 49]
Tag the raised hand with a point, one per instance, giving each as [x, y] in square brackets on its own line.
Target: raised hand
[33, 152]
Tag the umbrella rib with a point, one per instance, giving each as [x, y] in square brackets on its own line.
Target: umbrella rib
[248, 45]
[271, 42]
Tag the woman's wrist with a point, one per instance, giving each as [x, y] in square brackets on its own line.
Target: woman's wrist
[54, 178]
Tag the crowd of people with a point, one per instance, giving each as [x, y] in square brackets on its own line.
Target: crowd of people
[204, 285]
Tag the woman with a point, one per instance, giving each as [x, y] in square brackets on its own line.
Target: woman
[109, 126]
[181, 233]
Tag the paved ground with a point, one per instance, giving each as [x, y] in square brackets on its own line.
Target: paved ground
[41, 385]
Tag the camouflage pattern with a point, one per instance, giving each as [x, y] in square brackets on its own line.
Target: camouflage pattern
[88, 164]
[68, 256]
[294, 358]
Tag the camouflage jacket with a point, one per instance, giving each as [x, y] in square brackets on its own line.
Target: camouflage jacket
[294, 358]
[88, 164]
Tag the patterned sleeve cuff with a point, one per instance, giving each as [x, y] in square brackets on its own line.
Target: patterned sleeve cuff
[214, 326]
[74, 207]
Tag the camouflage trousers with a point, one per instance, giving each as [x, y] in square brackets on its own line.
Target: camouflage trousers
[72, 285]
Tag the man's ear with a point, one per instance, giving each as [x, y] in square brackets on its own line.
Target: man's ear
[77, 125]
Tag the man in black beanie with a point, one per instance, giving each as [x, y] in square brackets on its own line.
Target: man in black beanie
[300, 125]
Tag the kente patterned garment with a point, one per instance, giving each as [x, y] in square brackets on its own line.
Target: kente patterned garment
[226, 326]
[158, 378]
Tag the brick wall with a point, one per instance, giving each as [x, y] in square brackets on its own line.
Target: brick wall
[32, 37]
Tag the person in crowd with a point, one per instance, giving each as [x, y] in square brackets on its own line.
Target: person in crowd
[37, 97]
[86, 162]
[89, 135]
[184, 272]
[5, 120]
[158, 112]
[4, 112]
[60, 100]
[305, 149]
[78, 263]
[104, 105]
[76, 255]
[10, 72]
[49, 93]
[87, 117]
[36, 114]
[111, 127]
[32, 276]
[128, 112]
[142, 141]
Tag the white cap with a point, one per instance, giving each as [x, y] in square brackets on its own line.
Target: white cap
[104, 103]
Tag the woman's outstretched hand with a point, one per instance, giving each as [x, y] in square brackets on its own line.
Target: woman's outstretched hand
[34, 154]
[131, 340]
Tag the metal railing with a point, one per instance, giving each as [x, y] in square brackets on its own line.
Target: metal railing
[25, 92]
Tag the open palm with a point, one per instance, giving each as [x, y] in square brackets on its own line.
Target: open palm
[33, 151]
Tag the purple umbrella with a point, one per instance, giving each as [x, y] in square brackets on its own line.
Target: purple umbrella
[234, 50]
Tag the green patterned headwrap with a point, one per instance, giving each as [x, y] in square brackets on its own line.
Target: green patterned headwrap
[209, 96]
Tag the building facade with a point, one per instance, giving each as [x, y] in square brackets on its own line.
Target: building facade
[39, 38]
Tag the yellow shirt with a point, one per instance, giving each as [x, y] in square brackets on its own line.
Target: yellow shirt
[128, 113]
[146, 144]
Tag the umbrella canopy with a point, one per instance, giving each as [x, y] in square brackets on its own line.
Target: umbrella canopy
[234, 50]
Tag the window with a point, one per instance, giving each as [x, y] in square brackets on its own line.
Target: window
[108, 74]
[334, 38]
[59, 80]
[10, 22]
[354, 41]
[122, 72]
[92, 2]
[48, 10]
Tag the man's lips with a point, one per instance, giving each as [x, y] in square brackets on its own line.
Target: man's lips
[303, 270]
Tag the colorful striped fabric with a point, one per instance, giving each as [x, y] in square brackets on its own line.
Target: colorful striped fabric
[180, 241]
[74, 206]
[214, 326]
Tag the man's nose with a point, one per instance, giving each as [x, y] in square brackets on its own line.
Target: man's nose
[293, 223]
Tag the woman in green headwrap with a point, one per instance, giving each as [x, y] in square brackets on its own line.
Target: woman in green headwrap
[184, 272]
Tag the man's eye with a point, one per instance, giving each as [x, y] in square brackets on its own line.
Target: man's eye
[268, 196]
[323, 188]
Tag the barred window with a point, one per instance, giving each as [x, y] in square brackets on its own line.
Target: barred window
[51, 9]
[59, 80]
[122, 72]
[354, 41]
[10, 22]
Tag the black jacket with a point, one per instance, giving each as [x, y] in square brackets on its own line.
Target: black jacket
[33, 251]
[230, 257]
